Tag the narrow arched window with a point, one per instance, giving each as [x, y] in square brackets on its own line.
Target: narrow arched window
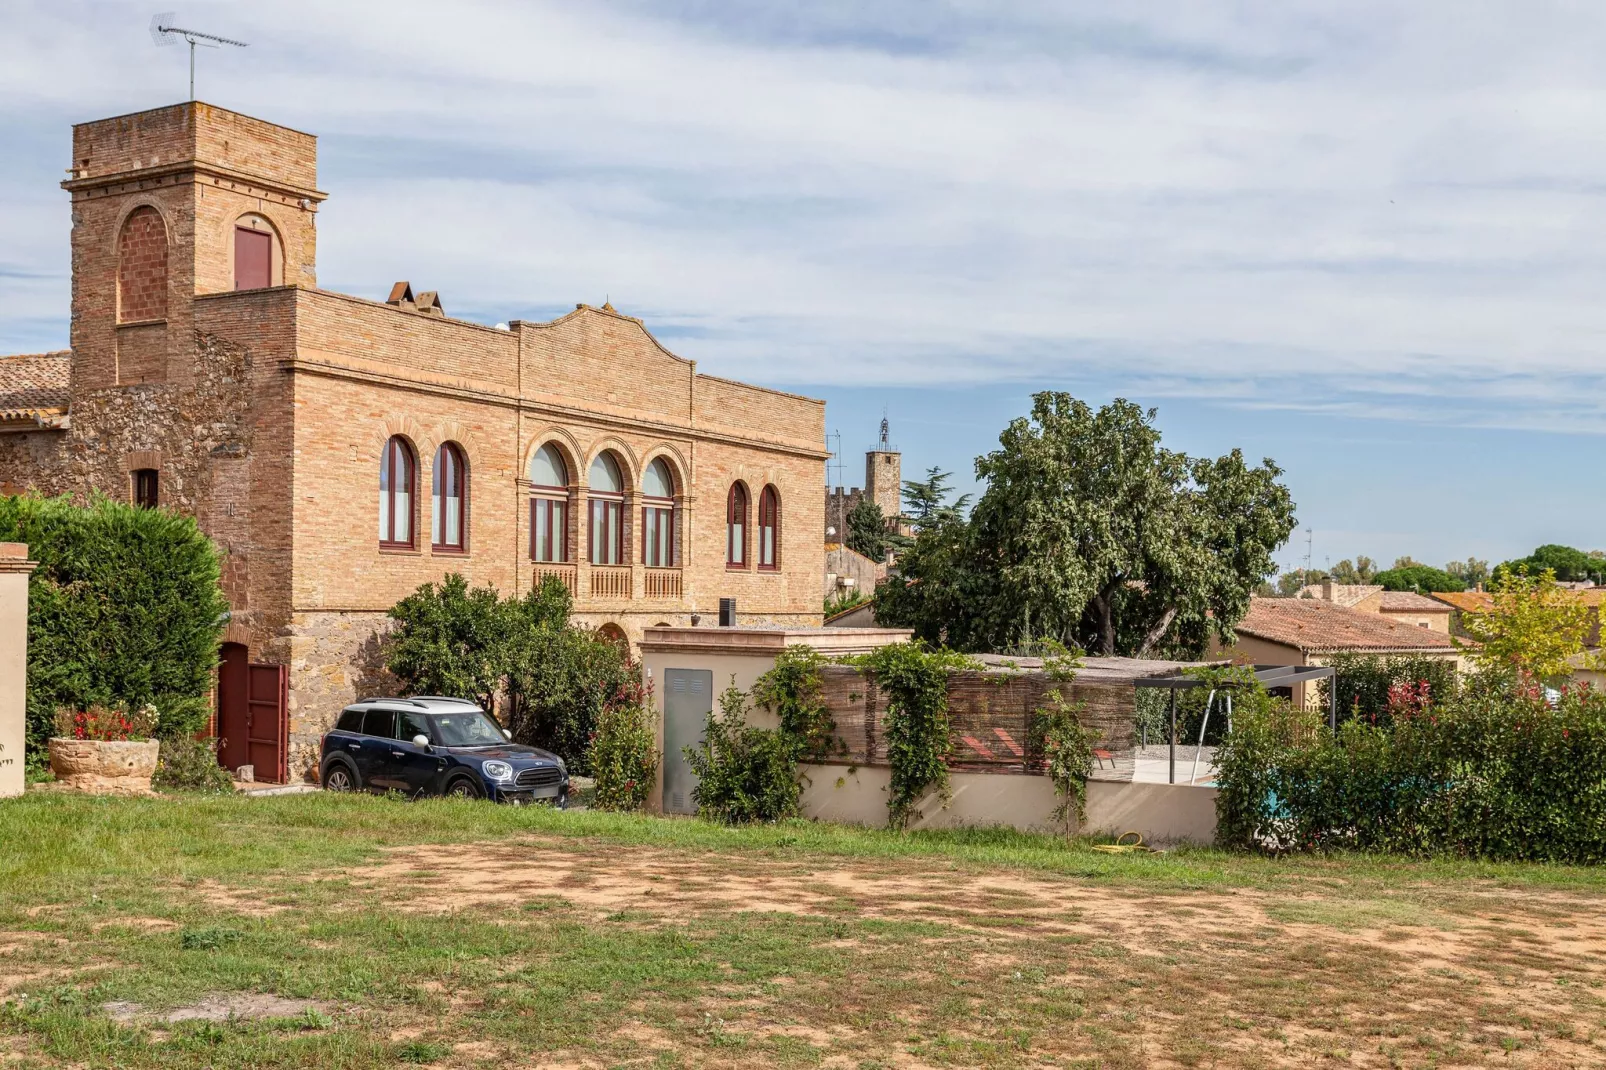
[147, 493]
[607, 497]
[736, 527]
[449, 500]
[549, 505]
[398, 476]
[658, 544]
[769, 529]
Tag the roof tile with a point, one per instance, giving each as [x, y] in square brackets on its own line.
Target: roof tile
[1317, 627]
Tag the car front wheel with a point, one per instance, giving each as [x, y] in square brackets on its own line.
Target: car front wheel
[464, 788]
[338, 777]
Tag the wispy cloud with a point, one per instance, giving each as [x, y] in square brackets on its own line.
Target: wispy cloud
[1372, 208]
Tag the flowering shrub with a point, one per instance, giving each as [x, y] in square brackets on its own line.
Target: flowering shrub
[106, 725]
[623, 756]
[191, 765]
[1496, 771]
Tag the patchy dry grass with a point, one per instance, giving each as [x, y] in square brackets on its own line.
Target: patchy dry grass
[358, 932]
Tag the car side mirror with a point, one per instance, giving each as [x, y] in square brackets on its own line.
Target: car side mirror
[421, 740]
[506, 733]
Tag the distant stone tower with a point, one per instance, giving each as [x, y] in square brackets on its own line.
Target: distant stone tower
[883, 476]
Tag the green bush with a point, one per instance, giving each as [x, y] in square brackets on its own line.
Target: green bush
[1363, 683]
[624, 752]
[473, 644]
[123, 611]
[1496, 771]
[1423, 579]
[744, 773]
[191, 765]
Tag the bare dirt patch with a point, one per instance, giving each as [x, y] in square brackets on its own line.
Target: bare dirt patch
[235, 1006]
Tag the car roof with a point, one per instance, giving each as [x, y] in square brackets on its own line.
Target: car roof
[428, 703]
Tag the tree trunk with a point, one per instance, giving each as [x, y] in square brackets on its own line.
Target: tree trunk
[1101, 604]
[1156, 633]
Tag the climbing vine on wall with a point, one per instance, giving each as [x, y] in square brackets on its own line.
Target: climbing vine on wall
[914, 678]
[791, 691]
[1058, 735]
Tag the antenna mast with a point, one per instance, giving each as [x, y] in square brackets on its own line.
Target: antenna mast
[163, 32]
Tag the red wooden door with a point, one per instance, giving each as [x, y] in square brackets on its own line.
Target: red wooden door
[253, 259]
[233, 715]
[267, 691]
[252, 715]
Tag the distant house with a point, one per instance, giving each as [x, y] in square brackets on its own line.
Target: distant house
[1473, 602]
[1309, 631]
[1406, 607]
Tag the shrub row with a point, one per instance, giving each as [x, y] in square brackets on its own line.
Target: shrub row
[1499, 771]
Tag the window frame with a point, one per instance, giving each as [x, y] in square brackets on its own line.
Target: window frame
[457, 459]
[769, 523]
[737, 538]
[140, 478]
[557, 504]
[396, 447]
[660, 517]
[610, 507]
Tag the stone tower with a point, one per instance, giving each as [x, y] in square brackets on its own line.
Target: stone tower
[170, 204]
[883, 476]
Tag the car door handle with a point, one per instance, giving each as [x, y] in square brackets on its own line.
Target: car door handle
[397, 754]
[354, 746]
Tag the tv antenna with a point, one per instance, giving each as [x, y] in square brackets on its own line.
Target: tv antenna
[164, 33]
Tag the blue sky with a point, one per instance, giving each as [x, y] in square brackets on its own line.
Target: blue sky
[1363, 239]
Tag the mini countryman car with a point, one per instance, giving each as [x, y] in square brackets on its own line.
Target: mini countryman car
[436, 746]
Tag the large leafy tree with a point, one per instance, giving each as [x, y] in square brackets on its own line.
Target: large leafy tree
[450, 640]
[1092, 533]
[1360, 571]
[1532, 625]
[1423, 579]
[1569, 565]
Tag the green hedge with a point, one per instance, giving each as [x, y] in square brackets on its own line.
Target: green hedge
[1363, 682]
[124, 610]
[1494, 772]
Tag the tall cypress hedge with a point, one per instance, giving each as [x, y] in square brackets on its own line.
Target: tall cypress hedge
[124, 610]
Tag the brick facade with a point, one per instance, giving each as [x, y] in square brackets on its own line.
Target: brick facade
[266, 413]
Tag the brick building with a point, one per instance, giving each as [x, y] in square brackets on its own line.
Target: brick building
[342, 451]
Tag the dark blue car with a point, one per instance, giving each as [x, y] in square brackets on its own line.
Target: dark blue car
[436, 746]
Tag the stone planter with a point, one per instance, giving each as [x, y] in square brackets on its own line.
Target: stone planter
[100, 768]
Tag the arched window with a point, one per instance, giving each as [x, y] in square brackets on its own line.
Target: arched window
[449, 500]
[658, 544]
[769, 529]
[606, 529]
[549, 505]
[736, 527]
[147, 492]
[398, 478]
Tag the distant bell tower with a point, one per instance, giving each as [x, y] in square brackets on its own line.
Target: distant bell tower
[171, 204]
[883, 476]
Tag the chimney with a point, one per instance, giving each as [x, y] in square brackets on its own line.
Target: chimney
[1327, 589]
[401, 296]
[429, 303]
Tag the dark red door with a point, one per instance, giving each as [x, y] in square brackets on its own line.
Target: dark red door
[253, 259]
[269, 728]
[252, 716]
[234, 747]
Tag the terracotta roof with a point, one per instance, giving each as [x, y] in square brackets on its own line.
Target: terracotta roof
[1344, 594]
[1478, 601]
[36, 387]
[1316, 627]
[1411, 602]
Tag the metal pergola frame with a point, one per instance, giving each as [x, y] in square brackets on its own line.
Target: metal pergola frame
[1267, 676]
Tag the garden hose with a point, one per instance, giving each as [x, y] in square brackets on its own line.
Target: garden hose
[1122, 847]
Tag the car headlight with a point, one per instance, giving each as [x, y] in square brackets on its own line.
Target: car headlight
[497, 770]
[563, 770]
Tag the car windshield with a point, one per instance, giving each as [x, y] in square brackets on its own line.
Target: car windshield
[471, 728]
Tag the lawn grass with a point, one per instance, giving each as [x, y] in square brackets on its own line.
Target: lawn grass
[461, 934]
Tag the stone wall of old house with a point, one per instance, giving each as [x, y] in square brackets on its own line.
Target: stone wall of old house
[33, 461]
